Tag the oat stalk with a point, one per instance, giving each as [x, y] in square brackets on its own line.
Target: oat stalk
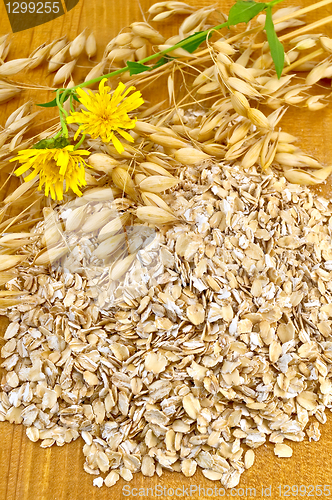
[242, 11]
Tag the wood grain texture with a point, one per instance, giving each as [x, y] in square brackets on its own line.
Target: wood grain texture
[28, 472]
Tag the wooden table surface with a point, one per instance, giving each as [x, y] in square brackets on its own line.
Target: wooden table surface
[28, 472]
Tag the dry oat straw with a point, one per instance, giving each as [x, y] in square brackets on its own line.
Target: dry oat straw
[178, 314]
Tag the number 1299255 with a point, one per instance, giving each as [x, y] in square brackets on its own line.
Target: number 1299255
[33, 7]
[303, 490]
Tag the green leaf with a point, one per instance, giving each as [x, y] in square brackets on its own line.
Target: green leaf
[163, 60]
[49, 104]
[44, 144]
[52, 104]
[61, 142]
[243, 11]
[276, 47]
[192, 42]
[135, 68]
[52, 143]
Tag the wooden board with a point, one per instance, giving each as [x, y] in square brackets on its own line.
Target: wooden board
[28, 472]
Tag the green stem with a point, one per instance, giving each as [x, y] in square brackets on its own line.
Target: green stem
[149, 58]
[163, 52]
[62, 112]
[274, 2]
[71, 104]
[62, 100]
[58, 134]
[95, 80]
[142, 61]
[77, 145]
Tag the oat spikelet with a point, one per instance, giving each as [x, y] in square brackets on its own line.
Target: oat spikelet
[39, 55]
[317, 73]
[258, 118]
[117, 55]
[18, 113]
[240, 132]
[20, 191]
[77, 45]
[58, 59]
[58, 45]
[146, 31]
[152, 199]
[158, 183]
[145, 128]
[121, 267]
[20, 123]
[243, 87]
[167, 141]
[306, 178]
[114, 226]
[208, 88]
[97, 220]
[11, 68]
[91, 46]
[109, 246]
[252, 155]
[17, 240]
[204, 77]
[51, 256]
[102, 162]
[194, 21]
[100, 194]
[151, 168]
[155, 215]
[52, 235]
[326, 43]
[297, 160]
[75, 218]
[97, 71]
[7, 94]
[190, 156]
[240, 103]
[313, 103]
[242, 72]
[224, 48]
[10, 261]
[4, 47]
[123, 181]
[64, 72]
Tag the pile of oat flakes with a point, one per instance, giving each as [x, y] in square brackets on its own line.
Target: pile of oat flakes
[227, 348]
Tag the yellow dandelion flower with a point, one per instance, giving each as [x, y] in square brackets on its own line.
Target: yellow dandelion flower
[107, 113]
[55, 167]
